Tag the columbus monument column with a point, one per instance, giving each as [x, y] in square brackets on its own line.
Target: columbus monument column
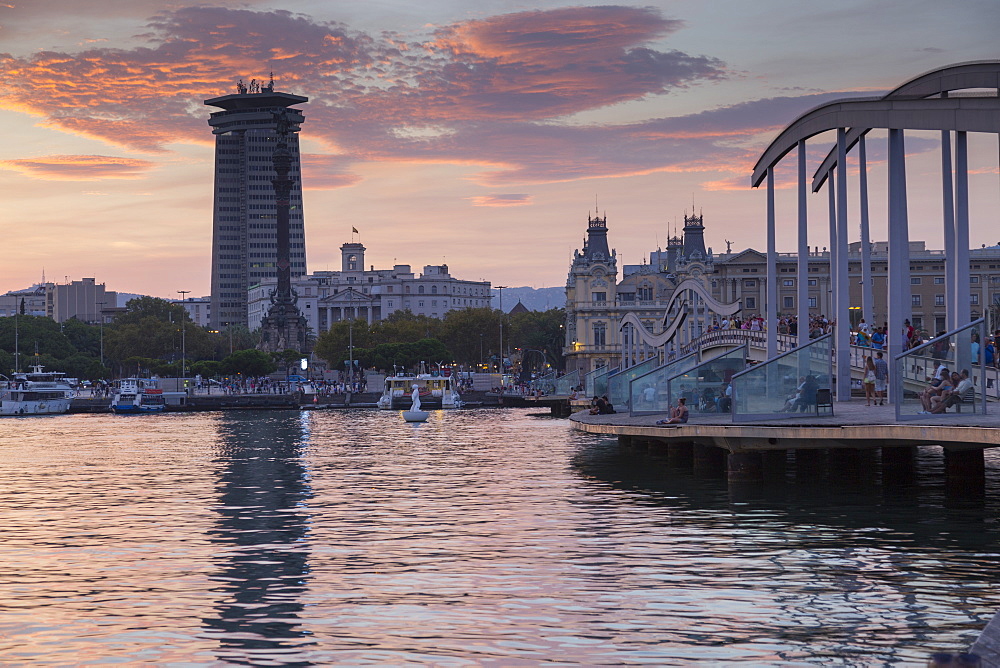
[284, 327]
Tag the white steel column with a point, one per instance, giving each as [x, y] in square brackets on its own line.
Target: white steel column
[843, 330]
[803, 280]
[831, 187]
[772, 273]
[899, 252]
[948, 204]
[867, 299]
[962, 284]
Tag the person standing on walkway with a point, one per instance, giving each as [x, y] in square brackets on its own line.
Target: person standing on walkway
[869, 381]
[881, 378]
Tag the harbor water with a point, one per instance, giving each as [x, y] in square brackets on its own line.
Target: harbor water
[482, 537]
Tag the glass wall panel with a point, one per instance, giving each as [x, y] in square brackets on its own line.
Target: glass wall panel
[567, 384]
[588, 381]
[705, 386]
[784, 384]
[601, 382]
[648, 393]
[941, 376]
[618, 383]
[546, 383]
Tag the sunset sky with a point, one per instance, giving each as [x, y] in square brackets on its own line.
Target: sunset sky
[479, 134]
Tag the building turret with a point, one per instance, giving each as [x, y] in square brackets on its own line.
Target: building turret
[352, 257]
[595, 248]
[694, 238]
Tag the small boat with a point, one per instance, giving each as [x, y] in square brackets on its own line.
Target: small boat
[138, 395]
[435, 392]
[37, 393]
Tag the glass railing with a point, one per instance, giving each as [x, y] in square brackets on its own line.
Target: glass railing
[567, 384]
[785, 384]
[601, 382]
[588, 380]
[618, 383]
[545, 384]
[648, 393]
[705, 387]
[941, 376]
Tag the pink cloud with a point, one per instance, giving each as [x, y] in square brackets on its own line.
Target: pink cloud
[78, 167]
[489, 92]
[501, 200]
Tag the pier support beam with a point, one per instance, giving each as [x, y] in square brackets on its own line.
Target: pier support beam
[775, 464]
[965, 472]
[742, 467]
[809, 464]
[680, 455]
[708, 461]
[899, 465]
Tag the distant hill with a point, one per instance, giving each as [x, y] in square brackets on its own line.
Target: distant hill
[541, 299]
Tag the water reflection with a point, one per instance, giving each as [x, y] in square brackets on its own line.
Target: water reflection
[861, 563]
[262, 537]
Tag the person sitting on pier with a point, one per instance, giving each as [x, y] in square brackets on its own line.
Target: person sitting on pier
[807, 395]
[938, 386]
[794, 396]
[678, 415]
[596, 404]
[949, 398]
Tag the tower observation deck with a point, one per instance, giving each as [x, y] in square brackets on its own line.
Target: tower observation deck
[244, 221]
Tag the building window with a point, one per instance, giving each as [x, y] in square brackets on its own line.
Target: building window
[939, 280]
[973, 279]
[938, 300]
[750, 302]
[644, 293]
[749, 284]
[788, 282]
[789, 302]
[389, 303]
[388, 289]
[915, 280]
[434, 289]
[352, 261]
[915, 300]
[974, 299]
[420, 303]
[813, 282]
[813, 303]
[598, 296]
[600, 334]
[918, 322]
[420, 290]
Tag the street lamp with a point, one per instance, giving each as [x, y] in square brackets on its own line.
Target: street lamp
[183, 294]
[500, 289]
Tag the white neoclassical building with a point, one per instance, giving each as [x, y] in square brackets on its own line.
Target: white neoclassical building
[327, 297]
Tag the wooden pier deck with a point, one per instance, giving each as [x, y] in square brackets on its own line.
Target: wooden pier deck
[853, 425]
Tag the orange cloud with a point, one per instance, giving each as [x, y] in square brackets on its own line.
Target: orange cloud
[501, 200]
[78, 167]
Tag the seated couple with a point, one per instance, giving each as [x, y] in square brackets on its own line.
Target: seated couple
[939, 398]
[678, 414]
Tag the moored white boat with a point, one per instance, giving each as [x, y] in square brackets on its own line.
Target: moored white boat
[435, 392]
[138, 395]
[37, 393]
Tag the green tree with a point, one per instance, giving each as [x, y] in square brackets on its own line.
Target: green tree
[540, 330]
[404, 327]
[34, 333]
[249, 363]
[206, 368]
[152, 328]
[333, 345]
[473, 334]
